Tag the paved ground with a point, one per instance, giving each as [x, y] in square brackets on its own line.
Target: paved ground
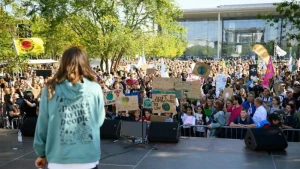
[191, 153]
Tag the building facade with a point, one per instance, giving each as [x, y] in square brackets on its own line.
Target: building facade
[230, 30]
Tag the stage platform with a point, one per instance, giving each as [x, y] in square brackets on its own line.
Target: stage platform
[189, 153]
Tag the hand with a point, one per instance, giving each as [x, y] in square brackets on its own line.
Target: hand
[208, 126]
[40, 162]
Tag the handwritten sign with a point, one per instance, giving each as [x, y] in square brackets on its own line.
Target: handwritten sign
[150, 71]
[227, 93]
[111, 96]
[127, 103]
[36, 92]
[145, 67]
[202, 70]
[176, 93]
[122, 68]
[220, 83]
[160, 83]
[192, 86]
[193, 95]
[163, 103]
[147, 102]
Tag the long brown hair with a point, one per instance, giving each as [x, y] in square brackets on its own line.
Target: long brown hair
[74, 65]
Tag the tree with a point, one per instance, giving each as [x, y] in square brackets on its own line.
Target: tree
[56, 40]
[289, 14]
[111, 29]
[8, 22]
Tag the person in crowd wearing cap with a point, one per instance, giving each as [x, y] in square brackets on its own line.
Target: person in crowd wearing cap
[289, 97]
[282, 91]
[260, 113]
[275, 120]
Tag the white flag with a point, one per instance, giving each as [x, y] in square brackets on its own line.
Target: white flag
[291, 64]
[163, 70]
[279, 51]
[140, 62]
[144, 62]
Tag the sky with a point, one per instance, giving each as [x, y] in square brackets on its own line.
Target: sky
[193, 4]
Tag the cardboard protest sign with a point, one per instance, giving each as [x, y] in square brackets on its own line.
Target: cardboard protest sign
[150, 71]
[110, 97]
[221, 80]
[202, 70]
[36, 92]
[160, 83]
[145, 67]
[252, 71]
[262, 52]
[227, 93]
[164, 103]
[122, 68]
[127, 103]
[193, 95]
[147, 103]
[188, 86]
[176, 93]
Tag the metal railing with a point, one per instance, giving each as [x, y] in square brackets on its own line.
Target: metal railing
[227, 132]
[292, 135]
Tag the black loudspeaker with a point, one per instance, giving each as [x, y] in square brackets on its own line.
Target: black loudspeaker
[45, 73]
[110, 129]
[164, 132]
[28, 127]
[265, 139]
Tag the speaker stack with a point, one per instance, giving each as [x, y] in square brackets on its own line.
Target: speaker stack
[265, 139]
[164, 132]
[110, 129]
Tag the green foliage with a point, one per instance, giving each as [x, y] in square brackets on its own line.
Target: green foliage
[289, 14]
[8, 23]
[111, 29]
[199, 50]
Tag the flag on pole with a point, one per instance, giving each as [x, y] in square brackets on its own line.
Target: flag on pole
[261, 52]
[279, 51]
[163, 70]
[269, 73]
[28, 46]
[140, 62]
[292, 65]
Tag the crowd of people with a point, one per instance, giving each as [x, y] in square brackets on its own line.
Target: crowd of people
[251, 105]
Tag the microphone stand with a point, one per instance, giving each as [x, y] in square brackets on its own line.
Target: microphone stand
[144, 141]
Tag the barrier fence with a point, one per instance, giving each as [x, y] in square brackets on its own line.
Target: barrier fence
[227, 132]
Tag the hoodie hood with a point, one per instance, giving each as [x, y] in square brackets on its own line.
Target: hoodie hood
[71, 91]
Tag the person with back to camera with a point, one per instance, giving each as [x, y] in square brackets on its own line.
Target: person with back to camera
[70, 115]
[217, 119]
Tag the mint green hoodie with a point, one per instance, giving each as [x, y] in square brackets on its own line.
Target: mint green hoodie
[68, 126]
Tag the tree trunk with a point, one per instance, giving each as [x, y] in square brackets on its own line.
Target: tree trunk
[112, 66]
[101, 65]
[106, 65]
